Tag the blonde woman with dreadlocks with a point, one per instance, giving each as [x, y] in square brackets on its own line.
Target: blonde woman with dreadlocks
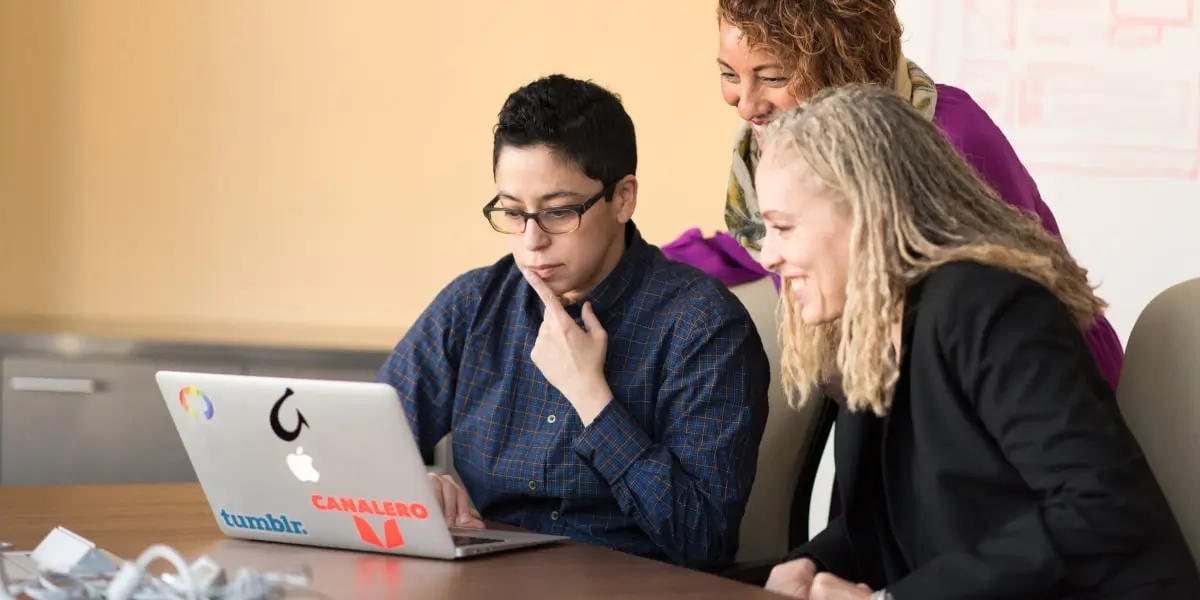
[980, 452]
[772, 54]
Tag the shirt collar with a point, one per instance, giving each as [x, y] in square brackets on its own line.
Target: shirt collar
[613, 287]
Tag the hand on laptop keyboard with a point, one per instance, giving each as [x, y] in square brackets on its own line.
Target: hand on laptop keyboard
[455, 504]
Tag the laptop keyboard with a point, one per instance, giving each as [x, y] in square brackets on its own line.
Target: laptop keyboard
[466, 540]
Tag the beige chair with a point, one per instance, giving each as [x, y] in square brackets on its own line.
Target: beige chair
[1159, 395]
[822, 490]
[766, 526]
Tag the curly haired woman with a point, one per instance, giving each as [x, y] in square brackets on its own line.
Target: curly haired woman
[980, 452]
[775, 53]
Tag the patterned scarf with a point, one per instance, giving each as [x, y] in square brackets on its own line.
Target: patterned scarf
[741, 207]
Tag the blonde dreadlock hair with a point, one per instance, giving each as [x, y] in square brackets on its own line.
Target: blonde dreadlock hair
[915, 205]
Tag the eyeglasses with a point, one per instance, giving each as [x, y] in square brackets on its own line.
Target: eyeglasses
[556, 220]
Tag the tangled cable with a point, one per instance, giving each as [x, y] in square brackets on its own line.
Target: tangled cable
[202, 580]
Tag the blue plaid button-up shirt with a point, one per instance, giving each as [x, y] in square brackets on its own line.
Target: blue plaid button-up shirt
[665, 469]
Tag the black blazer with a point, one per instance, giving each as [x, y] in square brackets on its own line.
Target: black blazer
[1007, 469]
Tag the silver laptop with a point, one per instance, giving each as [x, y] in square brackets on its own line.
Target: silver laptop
[320, 463]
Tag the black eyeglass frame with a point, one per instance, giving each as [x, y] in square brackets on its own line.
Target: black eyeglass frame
[536, 216]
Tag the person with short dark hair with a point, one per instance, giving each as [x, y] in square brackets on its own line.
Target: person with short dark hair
[592, 387]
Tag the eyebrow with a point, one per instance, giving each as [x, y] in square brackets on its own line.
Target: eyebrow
[555, 195]
[755, 69]
[775, 215]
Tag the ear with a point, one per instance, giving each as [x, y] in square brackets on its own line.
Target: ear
[625, 198]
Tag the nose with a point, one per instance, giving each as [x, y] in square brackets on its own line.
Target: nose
[769, 257]
[534, 238]
[747, 103]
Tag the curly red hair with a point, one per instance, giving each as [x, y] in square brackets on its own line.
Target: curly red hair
[823, 43]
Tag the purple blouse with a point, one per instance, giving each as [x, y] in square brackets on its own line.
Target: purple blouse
[985, 147]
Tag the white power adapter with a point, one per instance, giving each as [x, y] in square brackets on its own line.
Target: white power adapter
[5, 594]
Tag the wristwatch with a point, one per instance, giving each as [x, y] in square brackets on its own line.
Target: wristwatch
[882, 595]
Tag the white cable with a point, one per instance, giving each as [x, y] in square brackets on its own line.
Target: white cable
[49, 589]
[132, 574]
[204, 579]
[252, 585]
[248, 584]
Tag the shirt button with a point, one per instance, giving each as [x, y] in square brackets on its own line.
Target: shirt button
[554, 516]
[532, 484]
[551, 419]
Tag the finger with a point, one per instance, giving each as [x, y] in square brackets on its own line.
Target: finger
[594, 327]
[445, 501]
[450, 501]
[540, 288]
[553, 306]
[464, 505]
[436, 483]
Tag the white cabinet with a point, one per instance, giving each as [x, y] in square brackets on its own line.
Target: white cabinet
[69, 422]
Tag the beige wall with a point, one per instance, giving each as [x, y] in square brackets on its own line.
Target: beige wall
[32, 45]
[310, 163]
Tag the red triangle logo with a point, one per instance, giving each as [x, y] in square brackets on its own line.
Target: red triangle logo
[391, 533]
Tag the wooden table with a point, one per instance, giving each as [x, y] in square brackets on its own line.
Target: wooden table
[126, 519]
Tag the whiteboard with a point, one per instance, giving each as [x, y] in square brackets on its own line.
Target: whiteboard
[1101, 100]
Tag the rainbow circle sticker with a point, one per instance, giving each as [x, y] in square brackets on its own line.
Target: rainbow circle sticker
[191, 397]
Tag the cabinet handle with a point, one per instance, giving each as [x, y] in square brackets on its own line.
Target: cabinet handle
[62, 385]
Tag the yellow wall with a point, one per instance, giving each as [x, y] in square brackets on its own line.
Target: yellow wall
[311, 163]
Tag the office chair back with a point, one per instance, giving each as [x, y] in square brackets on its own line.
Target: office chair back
[766, 526]
[1159, 395]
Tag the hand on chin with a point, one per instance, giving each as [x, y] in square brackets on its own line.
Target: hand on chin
[560, 287]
